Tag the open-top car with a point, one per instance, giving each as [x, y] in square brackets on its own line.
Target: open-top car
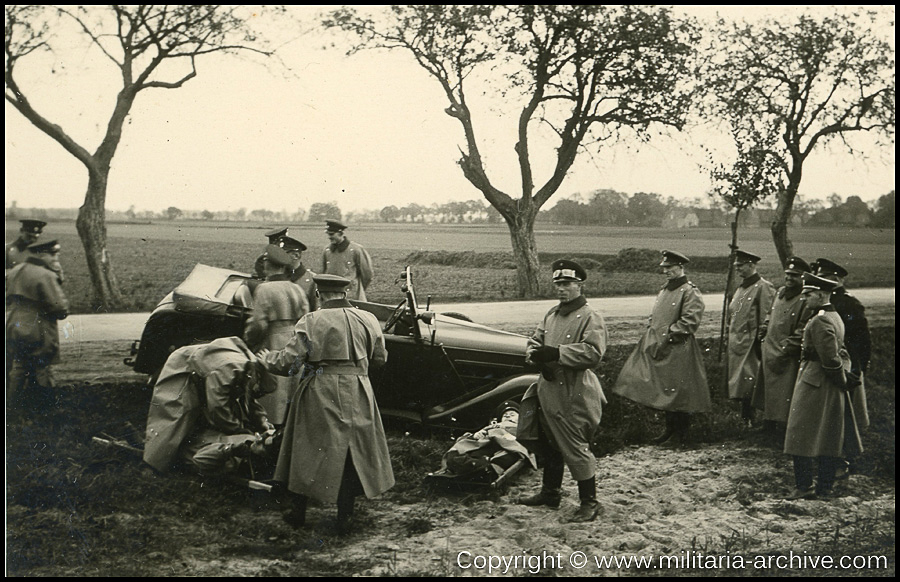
[442, 369]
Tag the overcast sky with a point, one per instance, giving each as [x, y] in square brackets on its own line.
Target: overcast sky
[364, 131]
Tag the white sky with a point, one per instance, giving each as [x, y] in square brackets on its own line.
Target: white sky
[364, 131]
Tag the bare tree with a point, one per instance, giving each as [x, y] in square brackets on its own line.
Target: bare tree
[584, 72]
[139, 41]
[803, 82]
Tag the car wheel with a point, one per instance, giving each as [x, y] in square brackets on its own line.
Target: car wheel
[455, 315]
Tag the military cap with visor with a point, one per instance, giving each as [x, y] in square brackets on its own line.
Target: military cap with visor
[671, 258]
[32, 226]
[277, 256]
[826, 267]
[331, 283]
[276, 233]
[335, 226]
[50, 246]
[741, 257]
[797, 266]
[815, 283]
[291, 244]
[566, 270]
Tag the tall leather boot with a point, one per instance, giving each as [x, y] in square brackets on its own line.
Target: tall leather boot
[803, 479]
[296, 515]
[551, 483]
[590, 507]
[350, 488]
[670, 428]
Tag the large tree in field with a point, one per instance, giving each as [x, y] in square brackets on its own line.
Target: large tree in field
[585, 72]
[152, 47]
[793, 85]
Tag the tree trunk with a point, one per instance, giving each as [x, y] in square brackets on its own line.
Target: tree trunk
[521, 231]
[783, 245]
[91, 225]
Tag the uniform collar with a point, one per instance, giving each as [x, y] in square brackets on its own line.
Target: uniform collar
[675, 283]
[336, 304]
[341, 246]
[298, 272]
[750, 280]
[827, 307]
[277, 277]
[38, 261]
[790, 293]
[573, 305]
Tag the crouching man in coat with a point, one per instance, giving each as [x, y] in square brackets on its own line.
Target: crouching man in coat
[205, 408]
[821, 426]
[334, 444]
[562, 411]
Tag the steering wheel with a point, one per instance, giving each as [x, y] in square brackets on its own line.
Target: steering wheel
[395, 316]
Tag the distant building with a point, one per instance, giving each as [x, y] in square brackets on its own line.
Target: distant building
[681, 218]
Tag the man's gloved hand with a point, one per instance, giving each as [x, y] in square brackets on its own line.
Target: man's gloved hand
[544, 354]
[678, 338]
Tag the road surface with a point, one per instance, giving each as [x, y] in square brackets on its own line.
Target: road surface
[504, 315]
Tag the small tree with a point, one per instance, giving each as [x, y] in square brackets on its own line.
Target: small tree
[146, 44]
[320, 211]
[805, 81]
[585, 72]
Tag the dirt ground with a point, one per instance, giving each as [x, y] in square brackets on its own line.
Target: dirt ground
[77, 509]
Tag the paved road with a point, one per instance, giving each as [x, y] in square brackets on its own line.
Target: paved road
[128, 326]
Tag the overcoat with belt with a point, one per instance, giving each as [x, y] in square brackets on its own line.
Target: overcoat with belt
[781, 354]
[352, 261]
[821, 421]
[747, 312]
[333, 412]
[665, 371]
[278, 304]
[569, 406]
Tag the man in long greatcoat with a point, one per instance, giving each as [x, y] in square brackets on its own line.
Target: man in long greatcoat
[562, 411]
[278, 304]
[29, 233]
[857, 340]
[821, 427]
[781, 335]
[665, 371]
[205, 408]
[747, 313]
[334, 444]
[35, 302]
[297, 271]
[347, 259]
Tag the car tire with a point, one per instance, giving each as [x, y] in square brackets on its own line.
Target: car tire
[455, 315]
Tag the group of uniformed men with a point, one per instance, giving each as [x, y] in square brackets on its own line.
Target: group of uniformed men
[798, 354]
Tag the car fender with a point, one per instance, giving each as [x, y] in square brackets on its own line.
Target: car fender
[509, 389]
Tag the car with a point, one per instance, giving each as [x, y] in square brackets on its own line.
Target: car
[443, 369]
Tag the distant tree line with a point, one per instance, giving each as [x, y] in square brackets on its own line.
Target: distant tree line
[601, 207]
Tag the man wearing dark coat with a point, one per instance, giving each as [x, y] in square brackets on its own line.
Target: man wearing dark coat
[348, 259]
[821, 427]
[561, 413]
[35, 302]
[665, 371]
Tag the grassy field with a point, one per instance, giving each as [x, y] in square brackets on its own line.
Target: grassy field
[150, 259]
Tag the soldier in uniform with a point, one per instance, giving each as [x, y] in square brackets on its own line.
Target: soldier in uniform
[857, 340]
[665, 371]
[205, 408]
[277, 306]
[781, 335]
[347, 259]
[334, 444]
[821, 427]
[561, 412]
[29, 233]
[35, 302]
[747, 313]
[297, 271]
[274, 237]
